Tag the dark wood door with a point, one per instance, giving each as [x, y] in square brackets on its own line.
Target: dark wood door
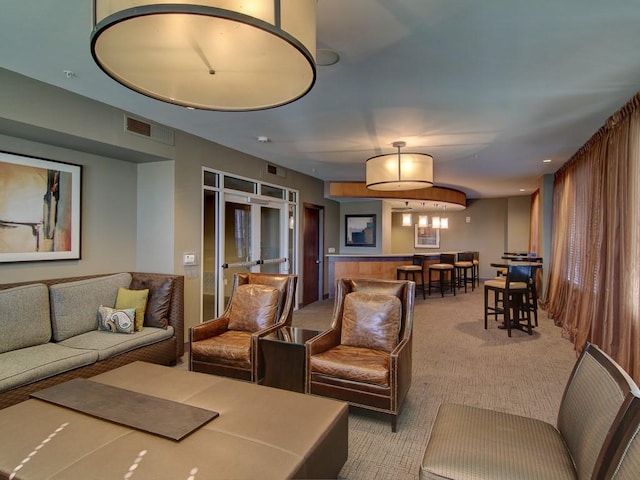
[311, 260]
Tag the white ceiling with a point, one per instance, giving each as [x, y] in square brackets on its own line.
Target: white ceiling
[490, 88]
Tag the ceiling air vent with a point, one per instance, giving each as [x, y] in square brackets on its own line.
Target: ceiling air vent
[150, 130]
[276, 170]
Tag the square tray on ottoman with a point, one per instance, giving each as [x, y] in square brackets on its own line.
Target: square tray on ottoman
[261, 432]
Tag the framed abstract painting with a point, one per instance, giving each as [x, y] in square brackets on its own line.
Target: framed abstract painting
[40, 204]
[360, 230]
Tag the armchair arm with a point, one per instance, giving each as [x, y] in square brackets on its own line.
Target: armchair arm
[256, 357]
[400, 370]
[209, 329]
[323, 342]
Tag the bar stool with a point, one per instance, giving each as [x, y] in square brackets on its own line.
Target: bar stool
[476, 267]
[512, 299]
[416, 267]
[463, 267]
[445, 268]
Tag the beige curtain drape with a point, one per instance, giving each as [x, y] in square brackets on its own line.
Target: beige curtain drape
[594, 277]
[534, 228]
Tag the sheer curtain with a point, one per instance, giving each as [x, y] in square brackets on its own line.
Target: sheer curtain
[534, 237]
[534, 229]
[594, 278]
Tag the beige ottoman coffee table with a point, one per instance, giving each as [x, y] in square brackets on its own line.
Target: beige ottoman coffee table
[261, 432]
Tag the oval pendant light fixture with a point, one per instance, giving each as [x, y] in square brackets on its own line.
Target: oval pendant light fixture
[213, 55]
[399, 171]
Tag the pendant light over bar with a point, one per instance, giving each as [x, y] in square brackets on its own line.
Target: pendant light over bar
[399, 171]
[220, 55]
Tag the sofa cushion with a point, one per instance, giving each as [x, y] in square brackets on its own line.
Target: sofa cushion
[31, 364]
[74, 305]
[107, 345]
[253, 307]
[116, 320]
[160, 288]
[24, 317]
[133, 299]
[371, 320]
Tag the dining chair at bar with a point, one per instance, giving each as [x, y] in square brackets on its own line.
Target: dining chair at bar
[476, 267]
[446, 273]
[403, 272]
[511, 299]
[465, 271]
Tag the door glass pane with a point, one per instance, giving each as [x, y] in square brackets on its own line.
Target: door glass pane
[291, 253]
[237, 242]
[209, 265]
[211, 179]
[270, 229]
[239, 184]
[274, 192]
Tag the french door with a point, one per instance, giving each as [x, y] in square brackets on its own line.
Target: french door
[253, 239]
[249, 231]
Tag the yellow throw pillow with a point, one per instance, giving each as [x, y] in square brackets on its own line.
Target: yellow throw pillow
[133, 299]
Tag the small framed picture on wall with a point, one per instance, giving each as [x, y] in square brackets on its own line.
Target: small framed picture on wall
[427, 237]
[360, 230]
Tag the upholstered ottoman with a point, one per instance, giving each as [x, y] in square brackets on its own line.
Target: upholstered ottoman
[261, 432]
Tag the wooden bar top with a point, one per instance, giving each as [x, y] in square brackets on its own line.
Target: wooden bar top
[378, 266]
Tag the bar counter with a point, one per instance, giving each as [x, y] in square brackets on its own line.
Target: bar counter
[380, 266]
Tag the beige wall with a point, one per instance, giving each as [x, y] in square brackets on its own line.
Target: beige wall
[370, 207]
[45, 121]
[192, 153]
[491, 223]
[49, 122]
[518, 224]
[108, 234]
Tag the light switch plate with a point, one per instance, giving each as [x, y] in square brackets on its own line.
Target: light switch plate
[189, 259]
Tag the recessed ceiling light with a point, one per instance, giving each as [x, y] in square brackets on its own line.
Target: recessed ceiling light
[548, 160]
[326, 57]
[522, 189]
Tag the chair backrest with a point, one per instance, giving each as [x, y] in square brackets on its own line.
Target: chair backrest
[449, 258]
[595, 403]
[418, 260]
[519, 273]
[625, 461]
[286, 284]
[465, 257]
[403, 289]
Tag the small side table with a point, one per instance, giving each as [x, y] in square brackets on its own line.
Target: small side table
[283, 354]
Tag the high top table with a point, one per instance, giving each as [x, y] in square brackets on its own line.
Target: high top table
[261, 432]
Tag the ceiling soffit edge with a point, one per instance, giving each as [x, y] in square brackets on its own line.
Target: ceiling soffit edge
[338, 190]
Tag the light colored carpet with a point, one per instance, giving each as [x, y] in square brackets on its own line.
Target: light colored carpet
[454, 360]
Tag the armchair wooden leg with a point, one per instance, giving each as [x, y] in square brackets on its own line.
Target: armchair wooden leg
[394, 420]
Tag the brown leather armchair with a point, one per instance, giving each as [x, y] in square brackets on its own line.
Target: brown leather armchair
[365, 358]
[228, 345]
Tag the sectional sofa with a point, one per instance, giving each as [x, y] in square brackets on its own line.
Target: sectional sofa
[49, 329]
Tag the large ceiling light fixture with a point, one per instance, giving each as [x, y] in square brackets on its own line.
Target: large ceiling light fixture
[221, 55]
[399, 171]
